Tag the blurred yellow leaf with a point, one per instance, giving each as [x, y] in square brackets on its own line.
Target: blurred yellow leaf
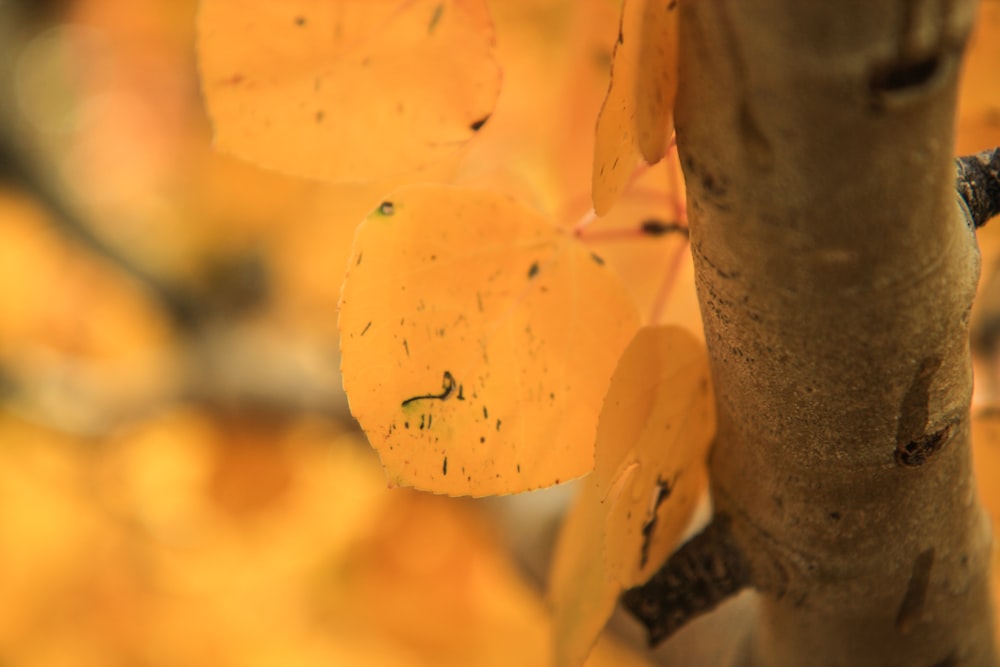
[68, 599]
[582, 595]
[979, 95]
[348, 91]
[637, 115]
[986, 465]
[432, 579]
[477, 341]
[539, 143]
[79, 342]
[56, 296]
[652, 439]
[656, 84]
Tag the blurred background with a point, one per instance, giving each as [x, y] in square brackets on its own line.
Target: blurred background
[181, 482]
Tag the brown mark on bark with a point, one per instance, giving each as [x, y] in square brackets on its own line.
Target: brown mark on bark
[912, 608]
[913, 445]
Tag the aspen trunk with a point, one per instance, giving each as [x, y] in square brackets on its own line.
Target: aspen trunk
[836, 271]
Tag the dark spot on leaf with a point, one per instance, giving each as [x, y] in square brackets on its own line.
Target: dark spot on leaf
[320, 116]
[435, 17]
[478, 125]
[365, 330]
[519, 467]
[601, 58]
[597, 258]
[621, 37]
[533, 270]
[386, 208]
[835, 516]
[486, 413]
[447, 385]
[482, 439]
[672, 5]
[444, 466]
[406, 424]
[358, 263]
[663, 490]
[300, 21]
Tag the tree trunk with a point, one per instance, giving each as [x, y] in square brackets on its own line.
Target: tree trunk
[835, 271]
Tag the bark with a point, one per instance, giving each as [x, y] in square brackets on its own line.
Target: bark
[836, 269]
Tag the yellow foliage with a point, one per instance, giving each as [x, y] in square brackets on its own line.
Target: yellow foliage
[216, 536]
[138, 550]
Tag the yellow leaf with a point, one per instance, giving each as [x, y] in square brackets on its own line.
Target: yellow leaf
[656, 86]
[582, 594]
[349, 91]
[477, 340]
[637, 115]
[657, 422]
[652, 439]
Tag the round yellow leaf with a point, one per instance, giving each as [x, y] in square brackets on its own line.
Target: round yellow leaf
[652, 439]
[657, 421]
[477, 339]
[349, 91]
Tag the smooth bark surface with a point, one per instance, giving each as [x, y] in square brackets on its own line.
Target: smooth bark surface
[836, 271]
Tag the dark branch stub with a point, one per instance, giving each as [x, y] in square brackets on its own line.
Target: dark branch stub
[699, 576]
[978, 184]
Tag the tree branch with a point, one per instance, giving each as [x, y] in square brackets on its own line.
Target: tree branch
[978, 184]
[703, 573]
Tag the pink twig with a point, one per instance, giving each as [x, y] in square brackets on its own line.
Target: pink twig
[669, 280]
